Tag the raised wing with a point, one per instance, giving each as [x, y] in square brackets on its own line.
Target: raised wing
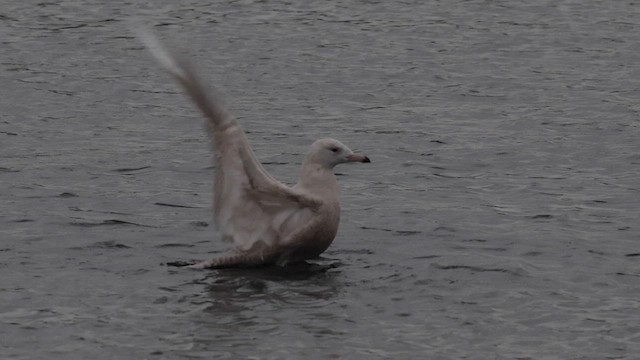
[249, 204]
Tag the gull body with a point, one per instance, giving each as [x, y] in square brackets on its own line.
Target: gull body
[266, 221]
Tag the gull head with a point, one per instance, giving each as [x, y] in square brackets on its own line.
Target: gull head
[331, 152]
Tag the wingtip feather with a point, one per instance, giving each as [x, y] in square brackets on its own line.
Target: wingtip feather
[159, 52]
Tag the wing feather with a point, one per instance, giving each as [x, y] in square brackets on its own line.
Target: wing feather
[249, 204]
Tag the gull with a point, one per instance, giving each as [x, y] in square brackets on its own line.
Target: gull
[266, 221]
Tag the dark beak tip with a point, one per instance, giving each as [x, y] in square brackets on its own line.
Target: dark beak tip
[366, 160]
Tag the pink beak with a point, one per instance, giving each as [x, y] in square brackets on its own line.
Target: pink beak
[358, 158]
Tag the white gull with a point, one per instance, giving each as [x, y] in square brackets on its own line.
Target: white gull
[266, 221]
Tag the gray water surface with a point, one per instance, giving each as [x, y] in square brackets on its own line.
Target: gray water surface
[498, 219]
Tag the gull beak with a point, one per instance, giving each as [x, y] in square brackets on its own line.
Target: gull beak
[358, 158]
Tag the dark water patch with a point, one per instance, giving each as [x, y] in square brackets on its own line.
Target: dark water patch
[8, 170]
[425, 257]
[349, 251]
[5, 17]
[34, 80]
[308, 284]
[169, 289]
[423, 282]
[130, 170]
[79, 209]
[392, 132]
[153, 91]
[109, 244]
[406, 232]
[67, 27]
[597, 252]
[199, 224]
[415, 152]
[395, 232]
[496, 249]
[297, 271]
[542, 216]
[457, 176]
[627, 274]
[174, 245]
[23, 220]
[476, 269]
[67, 195]
[365, 108]
[549, 177]
[632, 254]
[181, 263]
[62, 92]
[477, 94]
[375, 228]
[161, 300]
[475, 240]
[177, 205]
[110, 222]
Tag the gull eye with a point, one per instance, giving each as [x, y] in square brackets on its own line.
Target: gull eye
[334, 149]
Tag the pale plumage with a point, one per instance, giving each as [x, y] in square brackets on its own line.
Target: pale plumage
[266, 221]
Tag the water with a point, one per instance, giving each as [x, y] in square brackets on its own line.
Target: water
[498, 219]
